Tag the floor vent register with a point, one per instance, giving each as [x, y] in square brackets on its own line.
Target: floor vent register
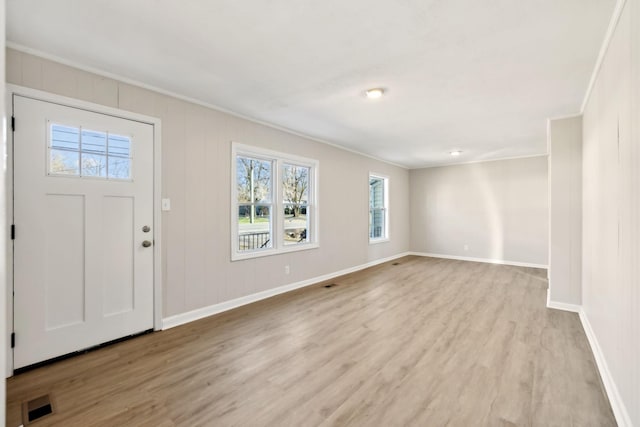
[36, 409]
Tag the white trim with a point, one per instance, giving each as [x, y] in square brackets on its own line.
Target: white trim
[613, 23]
[8, 173]
[277, 160]
[617, 404]
[157, 224]
[77, 103]
[4, 187]
[122, 79]
[30, 51]
[485, 260]
[379, 240]
[620, 412]
[200, 313]
[574, 308]
[387, 233]
[471, 162]
[12, 90]
[564, 117]
[549, 180]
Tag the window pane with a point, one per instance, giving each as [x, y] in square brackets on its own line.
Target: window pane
[119, 167]
[376, 223]
[119, 146]
[295, 224]
[65, 137]
[94, 165]
[253, 180]
[295, 184]
[94, 142]
[377, 207]
[376, 193]
[254, 227]
[86, 152]
[63, 162]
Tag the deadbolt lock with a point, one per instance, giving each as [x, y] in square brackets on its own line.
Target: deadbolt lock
[146, 228]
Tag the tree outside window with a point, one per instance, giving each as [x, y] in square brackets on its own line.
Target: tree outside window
[253, 180]
[274, 205]
[295, 186]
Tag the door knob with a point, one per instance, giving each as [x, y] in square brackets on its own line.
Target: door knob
[146, 243]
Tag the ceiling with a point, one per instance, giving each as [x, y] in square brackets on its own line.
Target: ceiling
[470, 75]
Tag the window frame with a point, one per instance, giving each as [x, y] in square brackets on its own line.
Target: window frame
[277, 159]
[385, 209]
[81, 127]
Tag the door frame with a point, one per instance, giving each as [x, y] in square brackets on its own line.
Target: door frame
[39, 95]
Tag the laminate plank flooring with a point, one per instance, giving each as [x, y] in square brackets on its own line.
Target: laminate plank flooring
[428, 342]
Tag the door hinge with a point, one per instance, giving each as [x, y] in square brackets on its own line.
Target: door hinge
[13, 123]
[13, 339]
[13, 231]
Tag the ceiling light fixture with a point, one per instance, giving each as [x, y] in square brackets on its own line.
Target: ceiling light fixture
[374, 93]
[455, 153]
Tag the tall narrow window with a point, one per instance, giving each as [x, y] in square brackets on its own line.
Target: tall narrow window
[378, 210]
[295, 201]
[274, 202]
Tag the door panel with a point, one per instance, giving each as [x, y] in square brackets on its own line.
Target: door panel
[64, 260]
[83, 191]
[118, 266]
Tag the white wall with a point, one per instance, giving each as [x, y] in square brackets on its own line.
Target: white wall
[196, 174]
[565, 211]
[611, 216]
[497, 208]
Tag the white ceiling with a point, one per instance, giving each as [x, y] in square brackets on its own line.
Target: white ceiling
[479, 76]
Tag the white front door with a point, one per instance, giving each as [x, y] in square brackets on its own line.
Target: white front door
[83, 215]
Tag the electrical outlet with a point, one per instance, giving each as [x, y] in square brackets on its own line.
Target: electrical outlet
[287, 270]
[466, 247]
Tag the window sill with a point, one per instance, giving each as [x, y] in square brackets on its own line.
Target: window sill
[270, 252]
[380, 240]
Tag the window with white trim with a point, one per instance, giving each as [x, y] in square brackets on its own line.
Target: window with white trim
[80, 152]
[274, 206]
[378, 208]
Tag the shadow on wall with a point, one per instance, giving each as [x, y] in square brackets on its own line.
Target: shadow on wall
[496, 223]
[481, 200]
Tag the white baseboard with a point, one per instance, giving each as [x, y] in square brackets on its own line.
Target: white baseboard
[200, 313]
[487, 260]
[574, 308]
[617, 405]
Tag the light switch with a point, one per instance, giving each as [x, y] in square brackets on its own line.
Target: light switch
[166, 204]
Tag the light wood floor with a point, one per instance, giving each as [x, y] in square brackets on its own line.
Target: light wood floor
[429, 342]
